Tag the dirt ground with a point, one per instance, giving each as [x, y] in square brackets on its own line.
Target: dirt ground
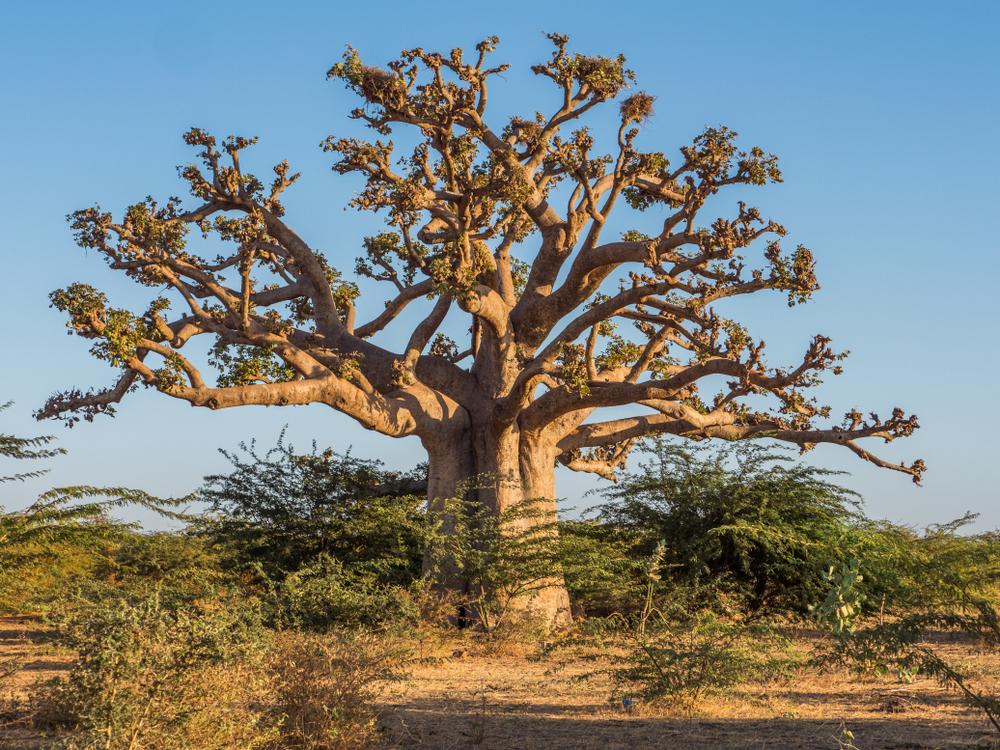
[22, 646]
[499, 703]
[511, 701]
[516, 701]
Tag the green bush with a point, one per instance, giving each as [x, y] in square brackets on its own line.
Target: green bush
[61, 542]
[325, 593]
[166, 672]
[505, 560]
[277, 512]
[681, 659]
[905, 571]
[603, 566]
[176, 561]
[743, 521]
[671, 652]
[902, 644]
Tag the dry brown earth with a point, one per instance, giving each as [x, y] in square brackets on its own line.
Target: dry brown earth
[511, 701]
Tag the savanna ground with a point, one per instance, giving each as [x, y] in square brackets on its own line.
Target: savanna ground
[723, 600]
[459, 694]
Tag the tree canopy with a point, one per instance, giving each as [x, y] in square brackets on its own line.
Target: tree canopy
[501, 227]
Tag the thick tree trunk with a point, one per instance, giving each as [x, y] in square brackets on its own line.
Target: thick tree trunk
[450, 465]
[536, 462]
[499, 472]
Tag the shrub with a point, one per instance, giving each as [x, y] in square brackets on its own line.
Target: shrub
[59, 541]
[163, 672]
[505, 560]
[325, 687]
[677, 655]
[604, 567]
[681, 659]
[280, 510]
[178, 561]
[664, 648]
[901, 643]
[160, 672]
[940, 568]
[742, 520]
[324, 594]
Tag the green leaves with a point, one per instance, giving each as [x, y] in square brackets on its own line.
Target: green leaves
[81, 302]
[281, 509]
[64, 532]
[154, 229]
[506, 558]
[330, 538]
[739, 520]
[796, 274]
[572, 368]
[385, 252]
[25, 449]
[842, 604]
[239, 364]
[141, 676]
[597, 76]
[118, 333]
[903, 643]
[680, 659]
[90, 226]
[373, 84]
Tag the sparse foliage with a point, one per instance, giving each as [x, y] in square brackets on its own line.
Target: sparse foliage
[902, 644]
[326, 687]
[507, 560]
[146, 675]
[65, 534]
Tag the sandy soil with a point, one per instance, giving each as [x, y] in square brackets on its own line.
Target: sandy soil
[515, 701]
[465, 699]
[23, 646]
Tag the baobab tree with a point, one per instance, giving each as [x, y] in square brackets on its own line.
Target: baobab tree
[500, 229]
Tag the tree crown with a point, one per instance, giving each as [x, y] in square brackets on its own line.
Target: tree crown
[504, 226]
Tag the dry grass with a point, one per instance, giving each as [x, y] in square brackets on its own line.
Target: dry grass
[507, 702]
[459, 696]
[325, 688]
[23, 644]
[301, 692]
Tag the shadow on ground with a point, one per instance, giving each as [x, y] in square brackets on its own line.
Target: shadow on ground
[465, 724]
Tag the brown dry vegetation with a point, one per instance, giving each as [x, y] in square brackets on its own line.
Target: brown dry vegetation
[518, 702]
[461, 695]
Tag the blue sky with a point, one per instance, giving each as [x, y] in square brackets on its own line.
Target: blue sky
[884, 114]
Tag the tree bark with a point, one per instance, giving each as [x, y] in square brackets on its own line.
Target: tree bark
[498, 472]
[450, 465]
[537, 460]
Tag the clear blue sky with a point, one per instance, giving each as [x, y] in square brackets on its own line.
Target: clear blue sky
[885, 115]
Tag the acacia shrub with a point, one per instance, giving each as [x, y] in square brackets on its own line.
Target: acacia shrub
[324, 593]
[941, 568]
[326, 538]
[507, 560]
[603, 566]
[159, 671]
[745, 521]
[277, 511]
[325, 687]
[165, 671]
[61, 541]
